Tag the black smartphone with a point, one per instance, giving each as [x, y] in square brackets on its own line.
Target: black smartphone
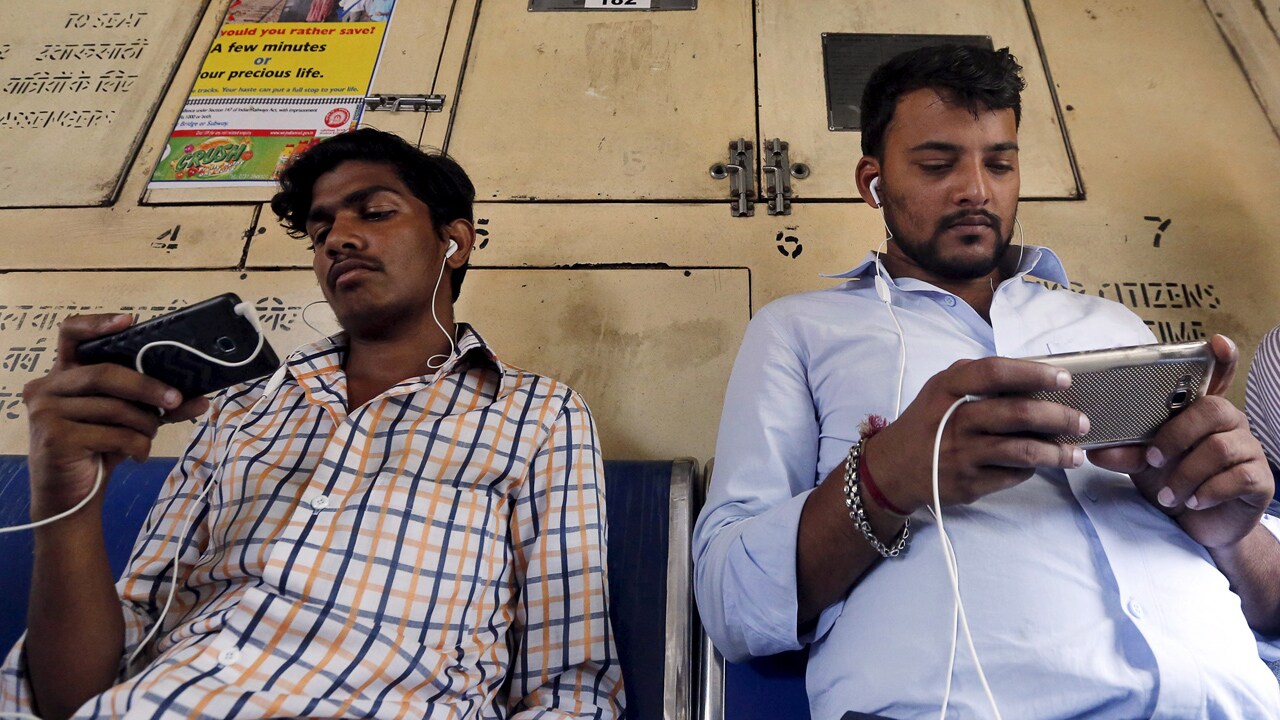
[1128, 393]
[219, 329]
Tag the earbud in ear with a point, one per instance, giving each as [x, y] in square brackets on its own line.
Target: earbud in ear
[875, 191]
[453, 248]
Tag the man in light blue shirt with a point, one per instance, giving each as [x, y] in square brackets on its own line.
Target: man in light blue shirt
[1140, 581]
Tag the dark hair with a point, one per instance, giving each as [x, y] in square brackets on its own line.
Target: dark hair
[977, 78]
[433, 177]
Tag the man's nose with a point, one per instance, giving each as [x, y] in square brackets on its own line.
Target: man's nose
[343, 235]
[972, 185]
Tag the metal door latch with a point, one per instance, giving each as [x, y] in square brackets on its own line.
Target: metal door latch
[410, 103]
[777, 176]
[740, 169]
[778, 171]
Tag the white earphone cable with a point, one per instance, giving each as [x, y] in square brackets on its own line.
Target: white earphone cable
[882, 290]
[953, 568]
[453, 347]
[179, 547]
[249, 315]
[97, 484]
[307, 322]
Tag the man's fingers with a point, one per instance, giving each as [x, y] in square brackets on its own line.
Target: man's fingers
[109, 439]
[78, 328]
[114, 381]
[92, 440]
[1238, 482]
[1003, 376]
[1233, 455]
[1017, 414]
[1128, 459]
[193, 408]
[1025, 452]
[111, 411]
[1207, 416]
[1226, 358]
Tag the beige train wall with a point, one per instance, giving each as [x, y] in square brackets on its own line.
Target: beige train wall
[608, 253]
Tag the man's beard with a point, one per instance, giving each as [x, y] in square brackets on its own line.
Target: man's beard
[927, 254]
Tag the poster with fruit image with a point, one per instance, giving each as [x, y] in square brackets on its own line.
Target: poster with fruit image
[269, 89]
[249, 140]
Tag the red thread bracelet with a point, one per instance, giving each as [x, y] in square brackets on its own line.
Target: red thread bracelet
[869, 428]
[868, 482]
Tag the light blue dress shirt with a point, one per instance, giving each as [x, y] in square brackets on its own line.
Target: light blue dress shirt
[1083, 599]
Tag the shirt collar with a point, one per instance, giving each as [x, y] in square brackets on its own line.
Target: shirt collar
[326, 355]
[1037, 262]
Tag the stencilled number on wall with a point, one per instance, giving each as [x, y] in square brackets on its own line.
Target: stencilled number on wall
[619, 4]
[1163, 225]
[168, 240]
[633, 162]
[788, 245]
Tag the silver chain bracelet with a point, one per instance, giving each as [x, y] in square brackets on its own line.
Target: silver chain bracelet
[853, 502]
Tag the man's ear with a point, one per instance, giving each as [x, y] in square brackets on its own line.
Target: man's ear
[868, 169]
[463, 233]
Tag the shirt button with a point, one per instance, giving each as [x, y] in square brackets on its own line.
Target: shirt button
[1135, 609]
[949, 300]
[230, 656]
[319, 503]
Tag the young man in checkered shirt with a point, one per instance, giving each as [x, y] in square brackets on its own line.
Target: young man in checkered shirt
[397, 524]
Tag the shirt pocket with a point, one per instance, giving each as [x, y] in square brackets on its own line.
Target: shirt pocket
[433, 562]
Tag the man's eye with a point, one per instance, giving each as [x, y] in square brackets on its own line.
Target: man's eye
[317, 239]
[377, 214]
[936, 167]
[1000, 168]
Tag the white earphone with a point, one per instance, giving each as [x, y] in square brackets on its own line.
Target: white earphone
[453, 347]
[883, 292]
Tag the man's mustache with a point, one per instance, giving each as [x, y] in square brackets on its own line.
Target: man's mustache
[951, 219]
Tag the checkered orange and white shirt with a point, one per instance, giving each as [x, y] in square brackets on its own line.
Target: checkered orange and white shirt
[438, 552]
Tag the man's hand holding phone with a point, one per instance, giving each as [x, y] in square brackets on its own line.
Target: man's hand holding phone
[1203, 467]
[993, 443]
[78, 413]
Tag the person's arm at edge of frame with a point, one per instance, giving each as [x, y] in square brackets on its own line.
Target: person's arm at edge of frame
[75, 628]
[1262, 396]
[744, 539]
[1206, 470]
[566, 479]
